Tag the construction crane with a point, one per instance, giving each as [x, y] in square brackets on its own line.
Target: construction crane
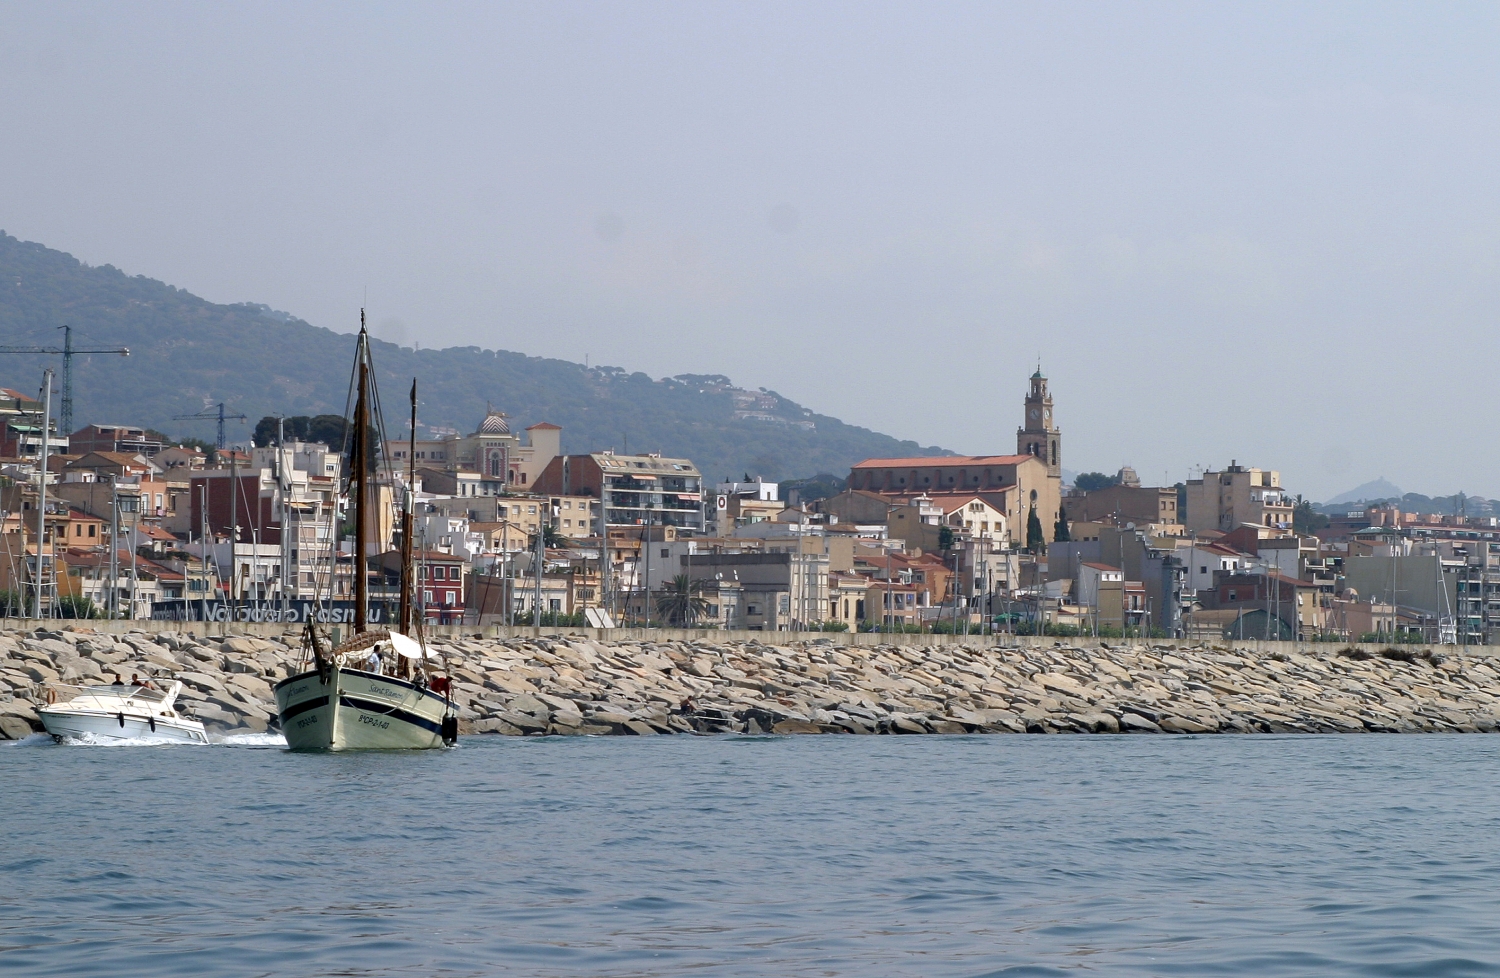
[67, 352]
[218, 415]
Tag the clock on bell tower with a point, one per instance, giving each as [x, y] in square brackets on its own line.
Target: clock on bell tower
[1040, 435]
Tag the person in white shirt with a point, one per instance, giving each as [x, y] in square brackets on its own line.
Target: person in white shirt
[373, 662]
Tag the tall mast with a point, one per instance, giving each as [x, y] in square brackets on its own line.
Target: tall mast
[41, 490]
[406, 519]
[359, 469]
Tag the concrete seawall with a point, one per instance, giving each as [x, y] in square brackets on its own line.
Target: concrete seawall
[657, 681]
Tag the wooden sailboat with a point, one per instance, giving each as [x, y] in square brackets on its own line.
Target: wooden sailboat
[380, 689]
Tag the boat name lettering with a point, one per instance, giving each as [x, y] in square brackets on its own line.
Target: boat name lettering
[385, 691]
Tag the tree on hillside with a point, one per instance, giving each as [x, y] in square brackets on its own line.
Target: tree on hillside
[1036, 542]
[1060, 533]
[945, 537]
[1090, 481]
[202, 444]
[820, 486]
[325, 428]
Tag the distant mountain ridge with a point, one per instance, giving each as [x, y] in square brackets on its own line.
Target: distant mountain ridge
[188, 353]
[1377, 489]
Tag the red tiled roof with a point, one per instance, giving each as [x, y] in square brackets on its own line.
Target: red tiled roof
[942, 461]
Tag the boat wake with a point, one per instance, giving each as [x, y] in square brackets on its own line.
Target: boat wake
[35, 740]
[249, 740]
[89, 740]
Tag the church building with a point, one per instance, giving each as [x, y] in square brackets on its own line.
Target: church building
[1031, 477]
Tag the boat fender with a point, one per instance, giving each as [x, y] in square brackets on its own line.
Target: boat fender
[121, 717]
[151, 719]
[51, 695]
[450, 730]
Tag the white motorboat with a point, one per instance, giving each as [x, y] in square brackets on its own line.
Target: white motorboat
[121, 713]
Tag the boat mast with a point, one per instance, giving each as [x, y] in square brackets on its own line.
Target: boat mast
[404, 624]
[359, 468]
[41, 492]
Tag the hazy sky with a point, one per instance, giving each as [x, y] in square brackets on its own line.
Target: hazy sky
[1263, 232]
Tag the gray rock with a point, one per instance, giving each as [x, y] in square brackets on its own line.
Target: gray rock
[531, 705]
[14, 728]
[525, 722]
[1186, 725]
[40, 673]
[1134, 723]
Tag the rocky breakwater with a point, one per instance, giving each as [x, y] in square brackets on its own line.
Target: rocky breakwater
[576, 685]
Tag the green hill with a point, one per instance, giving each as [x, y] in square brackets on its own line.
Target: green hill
[187, 353]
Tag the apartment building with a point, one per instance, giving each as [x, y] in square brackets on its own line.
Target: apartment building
[1224, 501]
[633, 489]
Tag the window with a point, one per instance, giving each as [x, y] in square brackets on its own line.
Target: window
[751, 609]
[92, 528]
[666, 552]
[427, 597]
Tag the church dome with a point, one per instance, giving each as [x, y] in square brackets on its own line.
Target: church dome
[494, 423]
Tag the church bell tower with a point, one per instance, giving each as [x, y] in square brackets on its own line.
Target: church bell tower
[1040, 435]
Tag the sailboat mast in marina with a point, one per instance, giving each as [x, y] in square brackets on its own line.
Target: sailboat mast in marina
[381, 689]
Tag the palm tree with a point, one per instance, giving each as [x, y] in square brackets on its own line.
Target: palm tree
[681, 601]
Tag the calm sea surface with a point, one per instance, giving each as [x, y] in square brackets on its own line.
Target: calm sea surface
[816, 856]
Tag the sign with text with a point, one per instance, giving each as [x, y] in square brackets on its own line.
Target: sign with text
[292, 612]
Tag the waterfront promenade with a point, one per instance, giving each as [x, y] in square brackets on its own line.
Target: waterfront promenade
[528, 681]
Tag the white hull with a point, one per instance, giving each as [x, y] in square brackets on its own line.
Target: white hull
[358, 710]
[121, 713]
[77, 725]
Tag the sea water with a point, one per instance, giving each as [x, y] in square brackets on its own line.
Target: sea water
[784, 856]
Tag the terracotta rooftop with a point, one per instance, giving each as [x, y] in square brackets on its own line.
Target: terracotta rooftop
[942, 461]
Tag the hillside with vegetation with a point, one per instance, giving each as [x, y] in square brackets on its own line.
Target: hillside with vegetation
[188, 354]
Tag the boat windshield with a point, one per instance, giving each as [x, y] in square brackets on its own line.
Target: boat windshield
[113, 697]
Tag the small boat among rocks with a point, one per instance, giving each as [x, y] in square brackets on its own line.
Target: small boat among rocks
[119, 712]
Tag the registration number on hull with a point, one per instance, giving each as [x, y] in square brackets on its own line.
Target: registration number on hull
[374, 721]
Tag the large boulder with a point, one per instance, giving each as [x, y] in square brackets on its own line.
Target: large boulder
[14, 728]
[39, 672]
[1135, 723]
[202, 682]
